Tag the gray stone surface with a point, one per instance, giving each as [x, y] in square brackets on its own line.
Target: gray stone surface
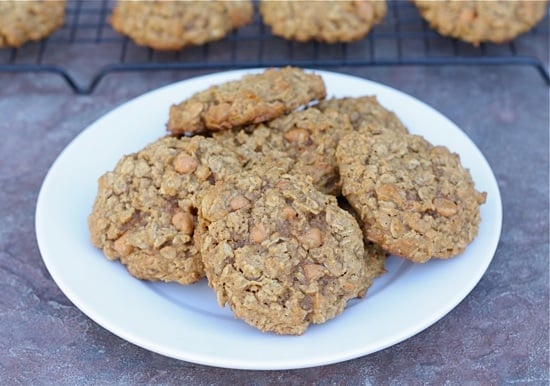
[498, 335]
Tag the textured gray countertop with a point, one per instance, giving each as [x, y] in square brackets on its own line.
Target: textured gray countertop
[498, 335]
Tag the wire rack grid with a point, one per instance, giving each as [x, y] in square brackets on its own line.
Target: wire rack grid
[86, 48]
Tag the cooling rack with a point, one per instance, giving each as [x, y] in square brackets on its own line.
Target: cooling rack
[86, 48]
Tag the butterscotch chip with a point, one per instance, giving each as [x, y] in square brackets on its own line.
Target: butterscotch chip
[23, 21]
[144, 213]
[365, 113]
[324, 21]
[477, 21]
[281, 273]
[172, 25]
[254, 98]
[302, 142]
[416, 200]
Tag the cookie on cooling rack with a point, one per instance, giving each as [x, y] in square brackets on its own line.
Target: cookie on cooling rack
[23, 21]
[254, 98]
[478, 21]
[172, 25]
[281, 254]
[144, 213]
[324, 21]
[415, 200]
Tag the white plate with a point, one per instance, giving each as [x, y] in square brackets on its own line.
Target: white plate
[185, 322]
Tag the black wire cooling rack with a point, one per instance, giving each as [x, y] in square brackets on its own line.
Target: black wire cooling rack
[403, 38]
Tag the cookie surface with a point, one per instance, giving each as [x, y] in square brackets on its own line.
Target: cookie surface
[281, 254]
[254, 98]
[374, 254]
[324, 21]
[365, 113]
[172, 25]
[302, 142]
[478, 21]
[145, 210]
[23, 21]
[415, 199]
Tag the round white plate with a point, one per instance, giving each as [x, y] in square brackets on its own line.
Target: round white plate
[185, 322]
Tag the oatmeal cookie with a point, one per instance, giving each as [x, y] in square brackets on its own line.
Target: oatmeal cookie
[415, 199]
[145, 209]
[252, 99]
[23, 21]
[302, 142]
[365, 113]
[324, 21]
[477, 21]
[172, 25]
[281, 254]
[375, 255]
[255, 146]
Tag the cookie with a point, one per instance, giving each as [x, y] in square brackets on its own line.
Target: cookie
[256, 146]
[416, 200]
[323, 21]
[365, 113]
[302, 142]
[144, 213]
[478, 21]
[172, 25]
[374, 254]
[254, 98]
[23, 21]
[281, 254]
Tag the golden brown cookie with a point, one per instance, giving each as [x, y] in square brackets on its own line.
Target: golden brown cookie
[365, 113]
[254, 98]
[172, 25]
[256, 145]
[23, 21]
[375, 255]
[324, 21]
[281, 254]
[302, 142]
[145, 210]
[416, 200]
[478, 21]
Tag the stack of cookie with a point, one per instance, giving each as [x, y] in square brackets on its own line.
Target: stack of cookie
[288, 203]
